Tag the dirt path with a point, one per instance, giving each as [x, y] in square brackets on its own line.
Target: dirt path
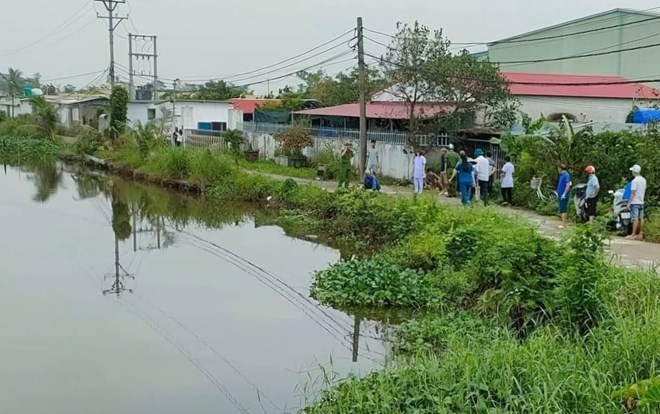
[626, 252]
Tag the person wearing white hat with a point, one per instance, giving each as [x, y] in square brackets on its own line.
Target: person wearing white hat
[636, 203]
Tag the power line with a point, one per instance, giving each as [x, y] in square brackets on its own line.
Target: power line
[289, 65]
[113, 22]
[598, 29]
[303, 69]
[600, 83]
[539, 39]
[73, 76]
[225, 77]
[66, 23]
[581, 56]
[588, 54]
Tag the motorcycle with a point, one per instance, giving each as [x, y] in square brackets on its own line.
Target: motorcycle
[620, 213]
[579, 200]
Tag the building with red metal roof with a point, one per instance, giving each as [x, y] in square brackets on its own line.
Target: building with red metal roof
[582, 98]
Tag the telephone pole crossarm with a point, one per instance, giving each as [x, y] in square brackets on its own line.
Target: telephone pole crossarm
[113, 22]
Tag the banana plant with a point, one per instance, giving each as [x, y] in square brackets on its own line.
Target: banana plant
[561, 136]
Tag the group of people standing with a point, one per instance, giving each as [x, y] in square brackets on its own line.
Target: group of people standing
[475, 175]
[633, 197]
[177, 137]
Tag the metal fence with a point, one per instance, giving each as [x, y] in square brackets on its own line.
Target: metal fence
[350, 134]
[196, 138]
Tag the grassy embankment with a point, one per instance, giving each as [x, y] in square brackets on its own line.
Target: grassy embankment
[514, 322]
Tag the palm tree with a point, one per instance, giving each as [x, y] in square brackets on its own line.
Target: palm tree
[14, 80]
[48, 117]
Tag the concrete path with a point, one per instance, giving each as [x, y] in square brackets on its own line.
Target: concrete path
[628, 253]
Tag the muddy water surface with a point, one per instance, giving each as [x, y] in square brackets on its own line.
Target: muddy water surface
[119, 298]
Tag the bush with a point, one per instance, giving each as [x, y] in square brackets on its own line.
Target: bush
[89, 141]
[579, 297]
[210, 167]
[491, 371]
[173, 163]
[245, 187]
[375, 283]
[17, 149]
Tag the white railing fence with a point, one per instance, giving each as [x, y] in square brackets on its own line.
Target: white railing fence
[400, 138]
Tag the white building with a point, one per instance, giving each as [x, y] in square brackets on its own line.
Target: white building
[73, 108]
[580, 98]
[191, 114]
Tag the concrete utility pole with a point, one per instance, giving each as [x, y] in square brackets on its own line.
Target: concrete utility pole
[363, 97]
[174, 105]
[113, 22]
[133, 38]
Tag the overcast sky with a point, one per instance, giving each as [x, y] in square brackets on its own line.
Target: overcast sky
[204, 38]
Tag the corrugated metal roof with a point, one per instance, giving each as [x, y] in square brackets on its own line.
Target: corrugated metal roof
[73, 99]
[542, 84]
[572, 22]
[248, 105]
[380, 110]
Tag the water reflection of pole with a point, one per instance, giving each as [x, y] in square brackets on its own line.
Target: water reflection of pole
[158, 227]
[356, 337]
[118, 285]
[134, 232]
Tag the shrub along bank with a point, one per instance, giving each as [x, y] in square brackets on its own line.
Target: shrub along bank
[516, 323]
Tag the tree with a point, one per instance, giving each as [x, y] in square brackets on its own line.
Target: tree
[69, 89]
[35, 81]
[47, 116]
[14, 84]
[407, 65]
[220, 91]
[118, 109]
[50, 89]
[421, 69]
[342, 89]
[471, 84]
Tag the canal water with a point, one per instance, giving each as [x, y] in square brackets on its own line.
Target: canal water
[120, 298]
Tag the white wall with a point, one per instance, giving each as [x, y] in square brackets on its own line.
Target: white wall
[585, 109]
[139, 111]
[394, 162]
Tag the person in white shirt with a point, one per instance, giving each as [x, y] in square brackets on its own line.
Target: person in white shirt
[373, 159]
[483, 174]
[636, 203]
[419, 171]
[507, 181]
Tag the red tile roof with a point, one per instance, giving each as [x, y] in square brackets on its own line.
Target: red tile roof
[248, 105]
[380, 110]
[579, 86]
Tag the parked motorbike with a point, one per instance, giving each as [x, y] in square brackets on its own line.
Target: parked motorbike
[579, 199]
[620, 213]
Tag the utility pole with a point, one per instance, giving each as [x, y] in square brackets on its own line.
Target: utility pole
[113, 22]
[151, 57]
[174, 105]
[363, 97]
[131, 81]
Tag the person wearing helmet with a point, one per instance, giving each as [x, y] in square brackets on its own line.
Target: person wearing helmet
[591, 195]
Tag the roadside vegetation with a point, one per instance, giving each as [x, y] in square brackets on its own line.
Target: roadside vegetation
[514, 322]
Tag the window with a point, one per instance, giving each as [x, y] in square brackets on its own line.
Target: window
[151, 114]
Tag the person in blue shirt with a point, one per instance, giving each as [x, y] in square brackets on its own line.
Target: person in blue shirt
[563, 190]
[371, 182]
[466, 182]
